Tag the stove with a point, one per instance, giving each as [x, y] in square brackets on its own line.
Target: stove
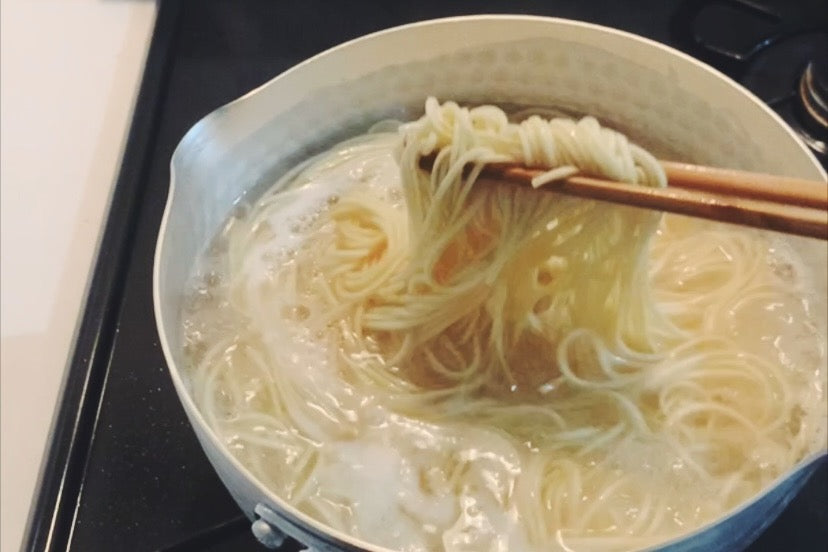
[124, 470]
[777, 50]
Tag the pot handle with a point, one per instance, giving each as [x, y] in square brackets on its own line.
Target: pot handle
[264, 528]
[266, 531]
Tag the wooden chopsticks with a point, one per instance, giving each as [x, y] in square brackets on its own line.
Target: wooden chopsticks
[779, 189]
[791, 205]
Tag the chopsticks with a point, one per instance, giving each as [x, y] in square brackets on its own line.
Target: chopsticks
[791, 205]
[779, 189]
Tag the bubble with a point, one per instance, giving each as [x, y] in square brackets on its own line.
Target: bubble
[240, 210]
[218, 247]
[544, 277]
[542, 305]
[263, 230]
[296, 313]
[227, 229]
[785, 271]
[367, 176]
[212, 279]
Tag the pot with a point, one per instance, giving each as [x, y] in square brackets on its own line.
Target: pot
[665, 99]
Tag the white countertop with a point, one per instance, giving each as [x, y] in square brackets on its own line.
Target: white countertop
[70, 75]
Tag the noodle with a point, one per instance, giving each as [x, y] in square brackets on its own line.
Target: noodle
[428, 360]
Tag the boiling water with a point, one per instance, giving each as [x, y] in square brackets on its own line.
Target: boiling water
[269, 378]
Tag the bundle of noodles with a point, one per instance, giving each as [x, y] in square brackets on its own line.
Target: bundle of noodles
[495, 276]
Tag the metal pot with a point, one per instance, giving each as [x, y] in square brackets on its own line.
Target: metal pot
[649, 90]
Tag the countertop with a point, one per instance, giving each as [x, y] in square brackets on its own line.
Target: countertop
[70, 71]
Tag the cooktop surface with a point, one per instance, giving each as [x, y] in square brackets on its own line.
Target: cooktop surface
[125, 471]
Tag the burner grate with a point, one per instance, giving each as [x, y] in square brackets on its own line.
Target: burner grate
[767, 46]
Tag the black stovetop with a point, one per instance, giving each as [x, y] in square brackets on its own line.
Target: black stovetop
[124, 471]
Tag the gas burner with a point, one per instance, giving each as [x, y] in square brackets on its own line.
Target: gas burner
[789, 77]
[778, 50]
[813, 102]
